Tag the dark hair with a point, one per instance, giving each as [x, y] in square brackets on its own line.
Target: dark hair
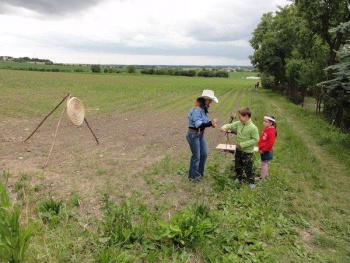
[201, 102]
[273, 122]
[245, 112]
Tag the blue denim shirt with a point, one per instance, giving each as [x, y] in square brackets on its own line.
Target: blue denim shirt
[196, 117]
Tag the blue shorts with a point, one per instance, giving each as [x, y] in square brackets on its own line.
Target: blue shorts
[266, 156]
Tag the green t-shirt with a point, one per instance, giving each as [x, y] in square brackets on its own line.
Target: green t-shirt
[247, 134]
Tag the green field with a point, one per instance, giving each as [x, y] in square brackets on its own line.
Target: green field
[36, 66]
[153, 214]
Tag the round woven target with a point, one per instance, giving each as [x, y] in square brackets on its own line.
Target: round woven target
[75, 111]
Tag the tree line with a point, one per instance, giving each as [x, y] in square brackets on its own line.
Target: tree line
[168, 71]
[188, 73]
[28, 59]
[304, 49]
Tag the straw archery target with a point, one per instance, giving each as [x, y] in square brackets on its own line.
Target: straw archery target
[75, 111]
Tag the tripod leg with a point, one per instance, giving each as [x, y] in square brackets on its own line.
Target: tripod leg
[46, 117]
[91, 130]
[54, 139]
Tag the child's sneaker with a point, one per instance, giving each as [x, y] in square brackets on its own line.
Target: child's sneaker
[252, 186]
[237, 181]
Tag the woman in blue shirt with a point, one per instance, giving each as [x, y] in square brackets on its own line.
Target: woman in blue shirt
[198, 120]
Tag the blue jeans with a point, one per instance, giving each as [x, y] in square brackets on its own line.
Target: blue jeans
[199, 156]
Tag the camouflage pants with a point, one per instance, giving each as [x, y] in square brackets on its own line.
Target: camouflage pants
[244, 162]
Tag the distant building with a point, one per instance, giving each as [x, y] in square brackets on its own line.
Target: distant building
[6, 58]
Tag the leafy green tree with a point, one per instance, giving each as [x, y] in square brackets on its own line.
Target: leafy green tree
[305, 69]
[273, 41]
[337, 107]
[322, 15]
[263, 54]
[288, 54]
[131, 69]
[96, 68]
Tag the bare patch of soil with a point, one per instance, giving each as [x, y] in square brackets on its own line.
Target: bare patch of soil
[307, 235]
[129, 143]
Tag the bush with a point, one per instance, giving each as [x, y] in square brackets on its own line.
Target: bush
[267, 81]
[345, 141]
[189, 227]
[131, 69]
[96, 68]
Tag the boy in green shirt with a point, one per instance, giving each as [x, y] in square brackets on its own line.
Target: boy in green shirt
[247, 138]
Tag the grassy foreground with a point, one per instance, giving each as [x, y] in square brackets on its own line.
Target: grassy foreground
[299, 214]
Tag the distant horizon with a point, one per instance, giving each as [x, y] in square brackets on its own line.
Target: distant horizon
[121, 64]
[164, 65]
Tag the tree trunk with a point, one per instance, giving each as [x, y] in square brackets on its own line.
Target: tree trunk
[318, 102]
[302, 93]
[333, 48]
[331, 61]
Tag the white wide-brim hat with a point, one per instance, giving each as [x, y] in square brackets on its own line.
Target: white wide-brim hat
[209, 94]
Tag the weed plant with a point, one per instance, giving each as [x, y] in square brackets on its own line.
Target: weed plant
[50, 210]
[14, 238]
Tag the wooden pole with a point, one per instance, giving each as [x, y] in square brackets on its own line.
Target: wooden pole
[228, 142]
[54, 139]
[47, 117]
[91, 130]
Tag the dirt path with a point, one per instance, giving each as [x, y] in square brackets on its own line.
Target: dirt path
[329, 201]
[329, 164]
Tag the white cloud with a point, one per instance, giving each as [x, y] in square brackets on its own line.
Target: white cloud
[200, 32]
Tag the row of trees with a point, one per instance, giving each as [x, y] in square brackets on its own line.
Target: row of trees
[302, 49]
[43, 69]
[171, 72]
[28, 59]
[98, 69]
[188, 73]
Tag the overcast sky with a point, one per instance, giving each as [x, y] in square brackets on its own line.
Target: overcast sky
[181, 32]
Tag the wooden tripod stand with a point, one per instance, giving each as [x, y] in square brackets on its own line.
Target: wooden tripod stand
[53, 143]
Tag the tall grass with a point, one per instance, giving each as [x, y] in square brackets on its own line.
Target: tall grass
[14, 238]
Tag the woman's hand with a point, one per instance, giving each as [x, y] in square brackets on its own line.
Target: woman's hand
[214, 122]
